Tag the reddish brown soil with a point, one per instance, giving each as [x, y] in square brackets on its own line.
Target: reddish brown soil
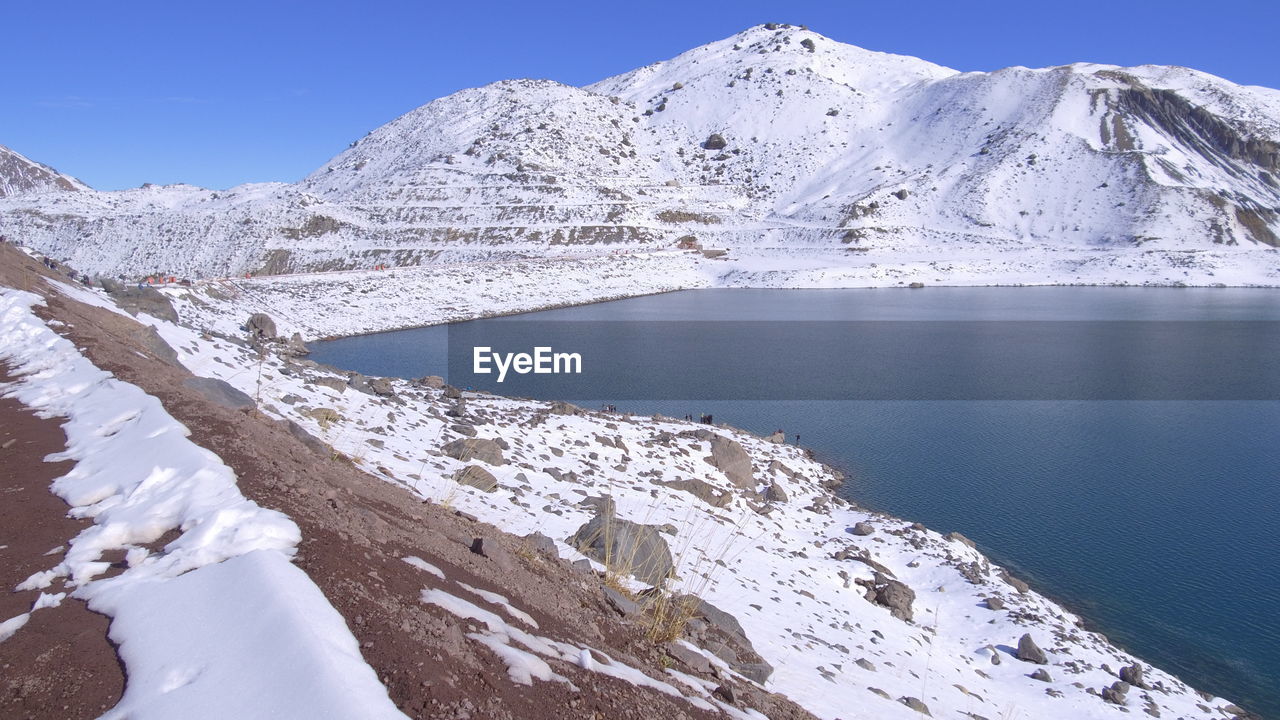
[60, 664]
[355, 529]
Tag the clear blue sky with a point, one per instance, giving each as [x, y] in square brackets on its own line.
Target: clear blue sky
[220, 93]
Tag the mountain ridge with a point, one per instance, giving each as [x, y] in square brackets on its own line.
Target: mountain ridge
[777, 141]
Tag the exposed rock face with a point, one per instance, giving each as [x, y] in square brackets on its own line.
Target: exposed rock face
[482, 449]
[1028, 651]
[19, 174]
[261, 327]
[220, 392]
[730, 458]
[720, 633]
[625, 547]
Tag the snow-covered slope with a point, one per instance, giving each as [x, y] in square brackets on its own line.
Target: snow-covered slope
[19, 174]
[777, 142]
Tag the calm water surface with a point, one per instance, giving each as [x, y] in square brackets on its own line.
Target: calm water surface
[1155, 520]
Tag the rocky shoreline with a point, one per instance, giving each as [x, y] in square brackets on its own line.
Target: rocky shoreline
[875, 612]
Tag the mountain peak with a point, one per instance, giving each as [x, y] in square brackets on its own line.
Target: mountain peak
[20, 174]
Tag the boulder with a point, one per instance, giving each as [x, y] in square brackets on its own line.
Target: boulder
[295, 347]
[468, 449]
[1116, 693]
[994, 603]
[220, 392]
[381, 386]
[1132, 674]
[476, 477]
[915, 704]
[311, 441]
[703, 490]
[261, 327]
[543, 544]
[430, 381]
[777, 438]
[1042, 675]
[730, 458]
[1028, 651]
[957, 537]
[625, 547]
[890, 593]
[564, 408]
[715, 141]
[863, 529]
[149, 339]
[135, 300]
[720, 633]
[332, 383]
[775, 493]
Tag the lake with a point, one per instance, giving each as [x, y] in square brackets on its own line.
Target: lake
[1121, 450]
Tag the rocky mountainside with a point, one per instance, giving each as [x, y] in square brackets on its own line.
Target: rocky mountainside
[777, 141]
[19, 174]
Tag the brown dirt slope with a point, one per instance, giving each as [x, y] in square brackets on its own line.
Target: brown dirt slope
[60, 664]
[356, 528]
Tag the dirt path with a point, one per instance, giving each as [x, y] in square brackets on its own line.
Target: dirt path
[60, 664]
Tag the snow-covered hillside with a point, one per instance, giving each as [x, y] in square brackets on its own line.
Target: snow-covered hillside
[19, 174]
[777, 142]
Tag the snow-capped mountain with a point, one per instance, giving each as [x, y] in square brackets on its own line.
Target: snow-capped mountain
[777, 141]
[19, 174]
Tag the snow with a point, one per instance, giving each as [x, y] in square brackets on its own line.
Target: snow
[265, 642]
[13, 625]
[421, 564]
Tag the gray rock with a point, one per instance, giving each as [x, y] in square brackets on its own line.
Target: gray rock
[311, 441]
[220, 393]
[1028, 651]
[147, 300]
[476, 477]
[715, 141]
[466, 430]
[332, 383]
[775, 493]
[1116, 693]
[995, 603]
[863, 528]
[1132, 674]
[149, 338]
[957, 537]
[468, 449]
[865, 664]
[543, 544]
[295, 347]
[1042, 675]
[730, 458]
[777, 438]
[625, 547]
[564, 408]
[381, 386]
[261, 327]
[1014, 582]
[430, 381]
[623, 604]
[915, 704]
[702, 490]
[722, 635]
[695, 661]
[452, 392]
[724, 693]
[494, 551]
[890, 593]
